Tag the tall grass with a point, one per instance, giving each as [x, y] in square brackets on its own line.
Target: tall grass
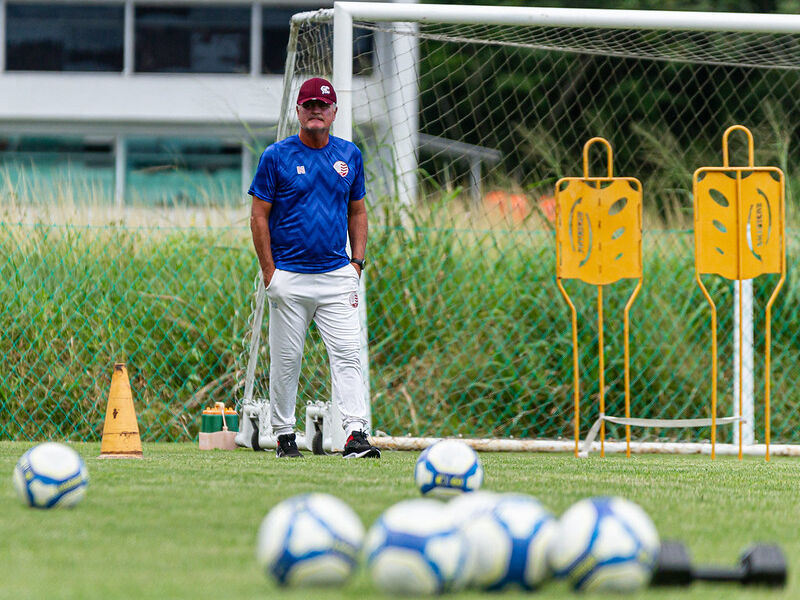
[75, 299]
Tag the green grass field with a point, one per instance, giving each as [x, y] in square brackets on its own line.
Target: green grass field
[182, 523]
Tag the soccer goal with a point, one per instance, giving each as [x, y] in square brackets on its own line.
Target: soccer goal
[467, 117]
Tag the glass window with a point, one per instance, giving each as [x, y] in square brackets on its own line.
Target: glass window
[59, 37]
[363, 51]
[276, 21]
[184, 171]
[87, 151]
[83, 165]
[275, 37]
[183, 39]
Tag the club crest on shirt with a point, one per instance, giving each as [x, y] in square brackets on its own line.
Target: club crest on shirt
[353, 299]
[341, 168]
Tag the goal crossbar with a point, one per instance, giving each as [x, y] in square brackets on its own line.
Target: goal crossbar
[570, 17]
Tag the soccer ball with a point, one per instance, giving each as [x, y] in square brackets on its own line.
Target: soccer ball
[605, 544]
[310, 540]
[414, 548]
[50, 475]
[448, 468]
[508, 537]
[465, 507]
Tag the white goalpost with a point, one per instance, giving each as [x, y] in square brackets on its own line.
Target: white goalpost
[431, 127]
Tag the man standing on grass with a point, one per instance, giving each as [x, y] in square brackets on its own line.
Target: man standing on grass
[308, 197]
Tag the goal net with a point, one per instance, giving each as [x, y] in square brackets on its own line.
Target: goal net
[465, 128]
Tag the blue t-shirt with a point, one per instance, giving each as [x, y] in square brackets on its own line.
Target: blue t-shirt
[310, 190]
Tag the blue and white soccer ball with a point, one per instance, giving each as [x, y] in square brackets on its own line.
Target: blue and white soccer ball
[508, 536]
[310, 540]
[605, 544]
[50, 475]
[465, 507]
[448, 468]
[415, 549]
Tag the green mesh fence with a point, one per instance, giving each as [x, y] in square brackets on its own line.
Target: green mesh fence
[467, 331]
[76, 299]
[471, 337]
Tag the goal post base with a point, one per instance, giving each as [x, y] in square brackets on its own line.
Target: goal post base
[511, 445]
[319, 437]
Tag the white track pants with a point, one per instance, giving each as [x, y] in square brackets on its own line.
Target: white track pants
[331, 301]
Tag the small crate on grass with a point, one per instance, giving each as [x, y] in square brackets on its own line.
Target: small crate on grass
[218, 428]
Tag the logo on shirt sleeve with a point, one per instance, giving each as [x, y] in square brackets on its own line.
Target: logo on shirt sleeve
[341, 168]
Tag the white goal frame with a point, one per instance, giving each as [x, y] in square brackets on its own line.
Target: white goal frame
[345, 13]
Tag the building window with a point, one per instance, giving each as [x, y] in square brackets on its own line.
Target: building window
[183, 39]
[80, 164]
[59, 37]
[184, 171]
[363, 52]
[82, 151]
[276, 22]
[275, 37]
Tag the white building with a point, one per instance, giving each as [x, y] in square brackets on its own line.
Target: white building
[133, 91]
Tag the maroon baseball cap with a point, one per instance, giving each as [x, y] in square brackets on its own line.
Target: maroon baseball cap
[317, 88]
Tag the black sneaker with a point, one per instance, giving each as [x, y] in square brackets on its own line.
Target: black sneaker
[287, 447]
[358, 446]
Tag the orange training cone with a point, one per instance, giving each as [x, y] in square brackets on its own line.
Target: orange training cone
[120, 430]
